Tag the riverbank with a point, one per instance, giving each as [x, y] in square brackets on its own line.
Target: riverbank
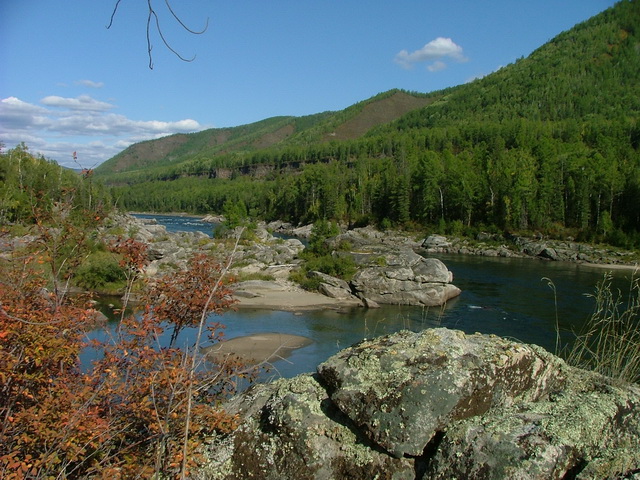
[290, 300]
[612, 266]
[273, 259]
[485, 244]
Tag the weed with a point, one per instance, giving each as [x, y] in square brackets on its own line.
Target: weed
[610, 343]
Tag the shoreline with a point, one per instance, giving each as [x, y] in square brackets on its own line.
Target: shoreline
[610, 266]
[291, 300]
[471, 249]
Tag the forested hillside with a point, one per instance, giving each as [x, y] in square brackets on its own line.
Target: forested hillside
[550, 143]
[218, 144]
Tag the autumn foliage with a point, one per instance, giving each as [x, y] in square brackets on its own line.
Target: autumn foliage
[144, 407]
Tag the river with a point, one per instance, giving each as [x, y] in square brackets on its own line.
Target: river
[503, 296]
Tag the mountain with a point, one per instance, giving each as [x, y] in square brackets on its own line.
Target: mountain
[348, 124]
[549, 143]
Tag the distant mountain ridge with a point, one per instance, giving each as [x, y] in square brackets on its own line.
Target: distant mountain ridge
[347, 124]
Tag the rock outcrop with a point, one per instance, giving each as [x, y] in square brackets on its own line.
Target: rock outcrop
[434, 404]
[405, 278]
[389, 271]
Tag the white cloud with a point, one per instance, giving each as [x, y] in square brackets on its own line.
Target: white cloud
[90, 83]
[434, 51]
[83, 102]
[81, 124]
[16, 114]
[437, 66]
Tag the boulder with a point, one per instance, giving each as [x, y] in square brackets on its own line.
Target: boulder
[331, 286]
[436, 241]
[290, 430]
[303, 232]
[368, 303]
[405, 278]
[403, 395]
[434, 404]
[369, 236]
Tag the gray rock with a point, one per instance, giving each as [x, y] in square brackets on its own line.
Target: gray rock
[550, 253]
[335, 292]
[303, 232]
[437, 404]
[404, 390]
[368, 303]
[329, 280]
[436, 241]
[369, 236]
[406, 278]
[331, 286]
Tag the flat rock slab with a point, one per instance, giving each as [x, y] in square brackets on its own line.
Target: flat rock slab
[257, 348]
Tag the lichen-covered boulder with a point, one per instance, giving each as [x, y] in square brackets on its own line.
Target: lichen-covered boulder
[588, 429]
[291, 430]
[437, 404]
[403, 389]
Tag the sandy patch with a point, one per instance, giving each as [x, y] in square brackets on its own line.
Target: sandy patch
[258, 348]
[611, 266]
[287, 298]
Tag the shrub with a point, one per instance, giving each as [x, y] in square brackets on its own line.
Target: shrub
[98, 270]
[140, 411]
[301, 277]
[341, 266]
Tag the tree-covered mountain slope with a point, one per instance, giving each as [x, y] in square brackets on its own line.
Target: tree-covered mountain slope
[589, 71]
[348, 124]
[550, 143]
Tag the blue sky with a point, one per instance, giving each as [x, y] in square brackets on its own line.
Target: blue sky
[67, 83]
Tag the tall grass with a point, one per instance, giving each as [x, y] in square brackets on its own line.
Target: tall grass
[610, 341]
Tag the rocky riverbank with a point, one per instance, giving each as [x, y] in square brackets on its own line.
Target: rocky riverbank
[389, 272]
[434, 404]
[545, 249]
[390, 268]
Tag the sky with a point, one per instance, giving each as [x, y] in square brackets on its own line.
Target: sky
[70, 84]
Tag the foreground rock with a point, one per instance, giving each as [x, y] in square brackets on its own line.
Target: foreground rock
[435, 404]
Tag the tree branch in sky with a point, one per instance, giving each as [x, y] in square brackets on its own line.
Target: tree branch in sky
[152, 18]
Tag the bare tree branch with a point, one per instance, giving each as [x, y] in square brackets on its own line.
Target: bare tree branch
[179, 20]
[153, 18]
[113, 13]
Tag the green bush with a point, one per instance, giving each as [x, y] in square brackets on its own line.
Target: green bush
[301, 277]
[98, 270]
[322, 230]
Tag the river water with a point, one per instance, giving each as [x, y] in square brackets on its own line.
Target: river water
[503, 296]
